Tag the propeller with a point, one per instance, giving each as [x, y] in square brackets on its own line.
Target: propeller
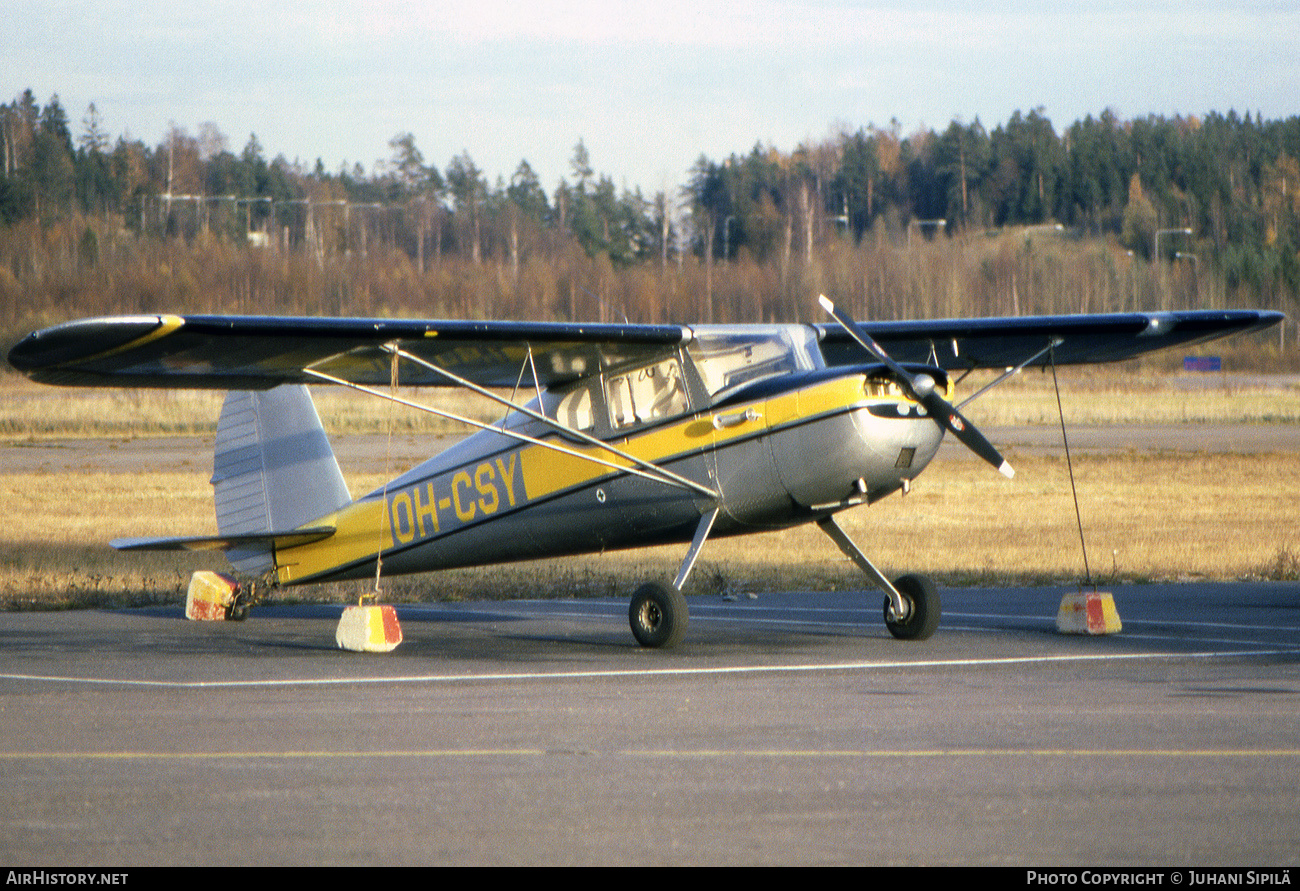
[921, 387]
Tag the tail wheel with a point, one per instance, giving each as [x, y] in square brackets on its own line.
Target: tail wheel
[245, 596]
[658, 615]
[924, 609]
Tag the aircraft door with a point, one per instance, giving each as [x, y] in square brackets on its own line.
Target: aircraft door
[650, 416]
[740, 459]
[743, 468]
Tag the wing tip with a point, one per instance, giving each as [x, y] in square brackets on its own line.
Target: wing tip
[50, 351]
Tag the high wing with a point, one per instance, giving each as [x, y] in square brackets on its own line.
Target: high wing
[258, 352]
[1004, 342]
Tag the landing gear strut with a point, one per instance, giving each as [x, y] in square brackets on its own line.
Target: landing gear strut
[911, 603]
[658, 614]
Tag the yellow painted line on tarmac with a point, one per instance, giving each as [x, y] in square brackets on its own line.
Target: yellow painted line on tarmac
[242, 756]
[701, 754]
[967, 753]
[640, 673]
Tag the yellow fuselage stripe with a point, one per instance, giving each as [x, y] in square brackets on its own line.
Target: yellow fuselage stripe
[364, 527]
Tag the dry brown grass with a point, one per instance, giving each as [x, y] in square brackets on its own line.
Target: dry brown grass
[32, 411]
[1110, 395]
[1147, 516]
[1123, 395]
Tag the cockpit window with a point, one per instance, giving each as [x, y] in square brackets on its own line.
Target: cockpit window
[646, 394]
[575, 411]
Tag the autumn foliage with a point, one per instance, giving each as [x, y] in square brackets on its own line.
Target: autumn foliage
[1107, 215]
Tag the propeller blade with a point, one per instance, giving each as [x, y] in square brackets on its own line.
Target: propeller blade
[864, 340]
[921, 388]
[966, 432]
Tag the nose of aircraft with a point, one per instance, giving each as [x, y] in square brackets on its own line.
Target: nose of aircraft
[923, 385]
[868, 446]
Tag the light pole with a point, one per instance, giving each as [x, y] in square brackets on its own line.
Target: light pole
[1155, 251]
[248, 214]
[1196, 277]
[1162, 293]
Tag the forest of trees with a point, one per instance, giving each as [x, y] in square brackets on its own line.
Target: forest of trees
[1152, 213]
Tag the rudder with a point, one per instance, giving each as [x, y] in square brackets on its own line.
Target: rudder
[272, 470]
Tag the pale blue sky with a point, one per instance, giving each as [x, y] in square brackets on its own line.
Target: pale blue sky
[647, 87]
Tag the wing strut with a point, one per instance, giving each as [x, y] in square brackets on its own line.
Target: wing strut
[1051, 346]
[537, 385]
[655, 470]
[657, 474]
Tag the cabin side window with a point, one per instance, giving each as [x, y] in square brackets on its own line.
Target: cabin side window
[646, 394]
[574, 410]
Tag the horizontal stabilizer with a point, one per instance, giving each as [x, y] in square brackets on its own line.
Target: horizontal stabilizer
[226, 542]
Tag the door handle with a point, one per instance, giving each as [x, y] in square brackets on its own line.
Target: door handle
[735, 418]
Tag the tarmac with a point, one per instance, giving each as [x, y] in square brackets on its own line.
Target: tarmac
[788, 729]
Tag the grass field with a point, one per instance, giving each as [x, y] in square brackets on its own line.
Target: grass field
[1112, 395]
[1146, 515]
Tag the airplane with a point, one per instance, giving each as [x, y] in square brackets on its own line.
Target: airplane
[634, 435]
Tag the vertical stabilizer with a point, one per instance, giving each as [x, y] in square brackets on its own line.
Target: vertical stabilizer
[273, 469]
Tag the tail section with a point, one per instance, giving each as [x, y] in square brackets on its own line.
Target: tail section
[273, 471]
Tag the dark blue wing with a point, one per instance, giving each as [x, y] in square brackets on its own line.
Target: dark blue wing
[256, 352]
[252, 352]
[1006, 342]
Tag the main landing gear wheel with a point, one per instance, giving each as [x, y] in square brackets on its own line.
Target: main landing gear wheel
[658, 615]
[923, 615]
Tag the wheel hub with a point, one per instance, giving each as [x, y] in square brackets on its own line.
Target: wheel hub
[651, 616]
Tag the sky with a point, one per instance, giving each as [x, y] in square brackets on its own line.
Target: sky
[647, 87]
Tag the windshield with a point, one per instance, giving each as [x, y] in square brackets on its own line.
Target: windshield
[726, 358]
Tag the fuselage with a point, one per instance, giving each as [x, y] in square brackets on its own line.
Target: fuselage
[781, 440]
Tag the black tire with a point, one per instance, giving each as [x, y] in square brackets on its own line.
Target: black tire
[658, 615]
[920, 593]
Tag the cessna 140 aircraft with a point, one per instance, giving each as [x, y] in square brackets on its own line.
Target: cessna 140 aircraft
[635, 435]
